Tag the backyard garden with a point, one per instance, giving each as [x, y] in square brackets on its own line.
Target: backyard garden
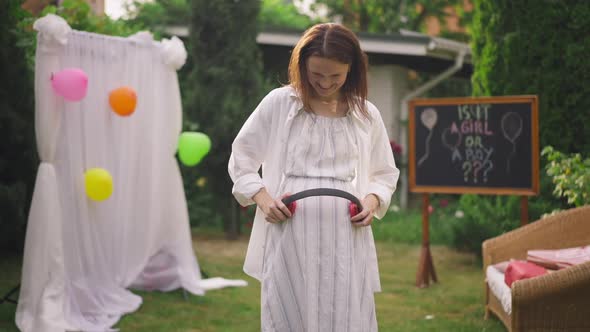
[524, 48]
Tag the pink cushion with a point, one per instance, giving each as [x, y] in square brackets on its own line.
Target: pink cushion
[519, 270]
[502, 265]
[561, 258]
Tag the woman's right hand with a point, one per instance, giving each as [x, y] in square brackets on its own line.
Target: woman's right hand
[274, 210]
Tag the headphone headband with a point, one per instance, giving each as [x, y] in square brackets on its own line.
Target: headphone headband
[322, 192]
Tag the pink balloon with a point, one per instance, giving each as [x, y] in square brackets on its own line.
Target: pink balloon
[70, 83]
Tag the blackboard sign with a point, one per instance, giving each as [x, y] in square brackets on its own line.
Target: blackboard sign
[486, 145]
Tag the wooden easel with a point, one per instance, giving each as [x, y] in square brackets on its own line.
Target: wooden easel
[425, 266]
[524, 210]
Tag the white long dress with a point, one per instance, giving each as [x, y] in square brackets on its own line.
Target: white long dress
[315, 274]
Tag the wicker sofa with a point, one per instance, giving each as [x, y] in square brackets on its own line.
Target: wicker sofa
[558, 301]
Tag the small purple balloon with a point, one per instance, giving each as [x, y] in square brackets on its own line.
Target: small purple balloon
[70, 83]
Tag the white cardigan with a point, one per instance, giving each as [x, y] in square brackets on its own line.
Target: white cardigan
[263, 141]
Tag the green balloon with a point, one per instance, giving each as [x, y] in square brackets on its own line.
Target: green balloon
[192, 147]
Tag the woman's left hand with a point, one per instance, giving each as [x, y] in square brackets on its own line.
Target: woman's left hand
[365, 217]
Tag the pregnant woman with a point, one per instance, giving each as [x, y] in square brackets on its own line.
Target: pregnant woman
[317, 263]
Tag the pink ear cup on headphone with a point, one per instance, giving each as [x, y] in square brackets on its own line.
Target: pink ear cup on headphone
[291, 206]
[353, 209]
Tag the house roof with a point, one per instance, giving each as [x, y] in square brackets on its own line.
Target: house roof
[409, 49]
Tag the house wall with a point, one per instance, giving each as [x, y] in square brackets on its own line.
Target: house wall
[387, 86]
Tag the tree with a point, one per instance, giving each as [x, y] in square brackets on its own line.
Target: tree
[523, 47]
[17, 137]
[156, 15]
[80, 16]
[225, 81]
[538, 48]
[278, 14]
[388, 16]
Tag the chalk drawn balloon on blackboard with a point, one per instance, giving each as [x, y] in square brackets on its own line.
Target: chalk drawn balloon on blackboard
[428, 118]
[451, 139]
[511, 129]
[511, 126]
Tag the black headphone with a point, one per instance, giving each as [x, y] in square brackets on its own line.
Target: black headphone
[354, 207]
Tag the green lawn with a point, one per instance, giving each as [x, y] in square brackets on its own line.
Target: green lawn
[454, 304]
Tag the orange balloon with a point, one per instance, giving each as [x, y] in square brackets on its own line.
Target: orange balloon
[123, 100]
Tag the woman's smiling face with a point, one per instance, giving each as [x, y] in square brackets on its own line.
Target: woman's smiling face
[326, 76]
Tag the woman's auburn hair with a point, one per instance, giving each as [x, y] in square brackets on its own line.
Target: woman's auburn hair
[335, 42]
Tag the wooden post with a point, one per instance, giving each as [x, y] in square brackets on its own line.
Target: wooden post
[425, 266]
[524, 210]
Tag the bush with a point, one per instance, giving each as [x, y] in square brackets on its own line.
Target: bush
[545, 202]
[570, 175]
[200, 201]
[484, 217]
[17, 137]
[405, 226]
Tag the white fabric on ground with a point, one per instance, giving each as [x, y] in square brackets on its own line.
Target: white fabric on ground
[218, 282]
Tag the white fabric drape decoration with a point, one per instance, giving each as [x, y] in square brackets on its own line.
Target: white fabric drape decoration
[81, 255]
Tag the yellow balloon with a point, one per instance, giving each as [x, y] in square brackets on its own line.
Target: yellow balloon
[98, 183]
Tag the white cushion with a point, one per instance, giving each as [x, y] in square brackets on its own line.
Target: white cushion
[497, 285]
